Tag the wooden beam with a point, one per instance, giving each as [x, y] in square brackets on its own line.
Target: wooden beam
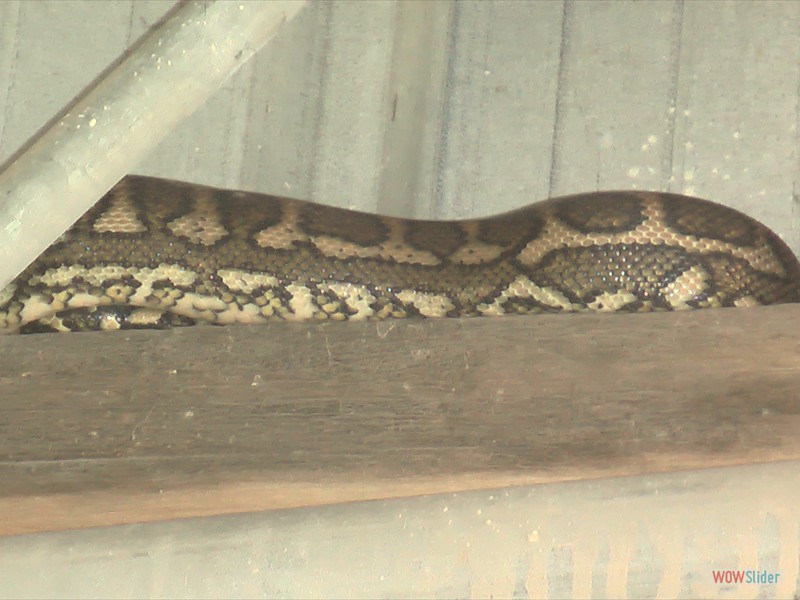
[120, 427]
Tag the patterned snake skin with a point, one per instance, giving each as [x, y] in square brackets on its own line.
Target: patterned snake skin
[155, 253]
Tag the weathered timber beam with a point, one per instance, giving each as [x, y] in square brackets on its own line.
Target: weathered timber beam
[133, 426]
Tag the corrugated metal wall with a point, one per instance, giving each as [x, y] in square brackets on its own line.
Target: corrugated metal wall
[458, 109]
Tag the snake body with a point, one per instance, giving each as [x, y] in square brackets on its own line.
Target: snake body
[155, 253]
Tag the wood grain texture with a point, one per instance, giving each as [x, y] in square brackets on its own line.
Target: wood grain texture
[117, 427]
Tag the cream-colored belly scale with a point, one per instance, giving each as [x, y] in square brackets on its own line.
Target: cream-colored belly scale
[157, 253]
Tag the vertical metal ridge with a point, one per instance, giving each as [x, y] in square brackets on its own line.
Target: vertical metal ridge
[418, 68]
[443, 146]
[667, 162]
[566, 30]
[322, 84]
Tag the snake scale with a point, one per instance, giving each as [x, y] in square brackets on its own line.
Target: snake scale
[155, 253]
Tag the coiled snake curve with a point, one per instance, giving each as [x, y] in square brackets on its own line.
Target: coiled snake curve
[155, 253]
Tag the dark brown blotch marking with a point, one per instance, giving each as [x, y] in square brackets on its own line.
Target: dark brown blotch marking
[440, 238]
[512, 230]
[245, 216]
[704, 219]
[583, 273]
[358, 228]
[156, 205]
[602, 212]
[733, 278]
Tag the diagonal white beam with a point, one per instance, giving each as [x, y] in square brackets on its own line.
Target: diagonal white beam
[108, 130]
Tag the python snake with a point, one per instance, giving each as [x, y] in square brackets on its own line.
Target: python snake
[155, 253]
